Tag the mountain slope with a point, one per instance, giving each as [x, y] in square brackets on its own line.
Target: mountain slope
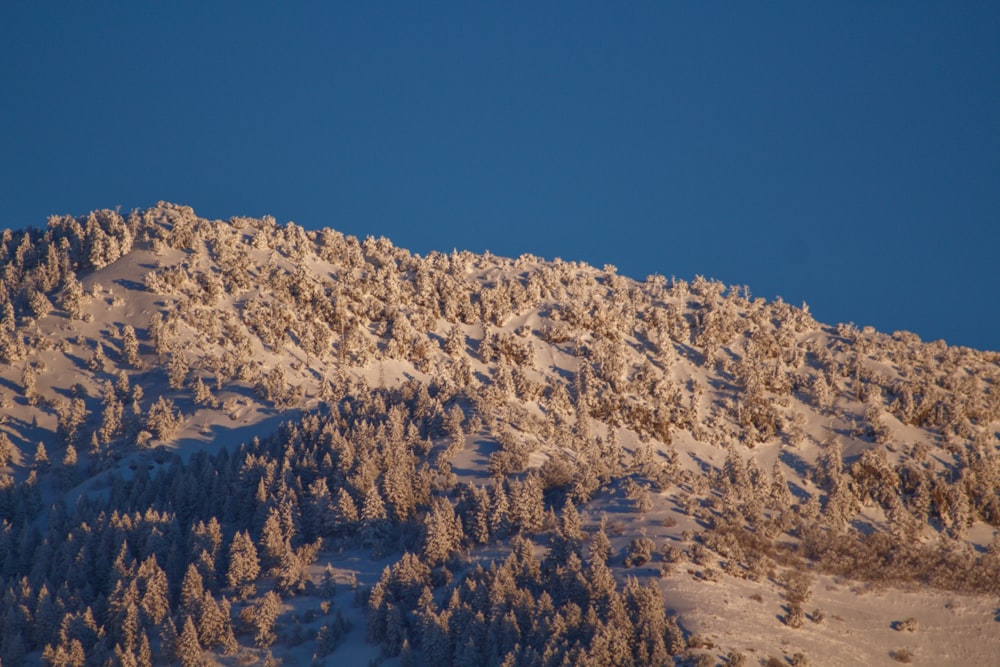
[537, 430]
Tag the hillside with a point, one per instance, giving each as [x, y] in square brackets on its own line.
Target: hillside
[239, 442]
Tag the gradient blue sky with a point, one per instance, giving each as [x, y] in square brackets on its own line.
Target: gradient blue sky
[844, 154]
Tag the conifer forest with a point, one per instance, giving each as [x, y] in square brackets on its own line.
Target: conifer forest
[238, 442]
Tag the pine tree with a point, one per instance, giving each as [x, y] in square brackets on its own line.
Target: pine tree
[779, 497]
[527, 507]
[144, 655]
[154, 602]
[6, 449]
[650, 630]
[202, 394]
[454, 343]
[273, 543]
[674, 636]
[68, 472]
[162, 420]
[346, 509]
[39, 304]
[188, 651]
[211, 623]
[124, 627]
[443, 532]
[177, 369]
[398, 485]
[228, 639]
[499, 509]
[29, 384]
[569, 522]
[263, 617]
[98, 359]
[47, 616]
[477, 519]
[41, 458]
[244, 567]
[67, 653]
[169, 638]
[111, 416]
[130, 346]
[600, 545]
[71, 416]
[374, 521]
[192, 592]
[290, 577]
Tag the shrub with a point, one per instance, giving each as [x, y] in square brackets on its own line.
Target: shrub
[903, 655]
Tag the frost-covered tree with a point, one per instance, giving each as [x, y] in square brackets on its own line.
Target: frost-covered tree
[374, 520]
[192, 592]
[41, 459]
[244, 566]
[130, 346]
[29, 386]
[177, 369]
[443, 532]
[273, 544]
[6, 449]
[162, 420]
[262, 617]
[202, 394]
[188, 650]
[72, 298]
[39, 304]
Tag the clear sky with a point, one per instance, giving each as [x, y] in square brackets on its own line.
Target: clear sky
[846, 154]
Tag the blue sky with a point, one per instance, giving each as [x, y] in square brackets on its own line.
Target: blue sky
[844, 154]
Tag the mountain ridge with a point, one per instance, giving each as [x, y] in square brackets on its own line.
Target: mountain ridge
[716, 442]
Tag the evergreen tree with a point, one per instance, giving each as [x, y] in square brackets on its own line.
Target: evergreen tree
[650, 631]
[374, 521]
[192, 592]
[39, 304]
[155, 602]
[162, 420]
[130, 346]
[443, 532]
[47, 617]
[202, 394]
[211, 623]
[68, 472]
[290, 577]
[600, 545]
[499, 509]
[144, 655]
[188, 651]
[244, 566]
[263, 616]
[111, 416]
[71, 416]
[346, 511]
[6, 449]
[29, 384]
[124, 657]
[527, 507]
[98, 359]
[41, 458]
[273, 543]
[177, 369]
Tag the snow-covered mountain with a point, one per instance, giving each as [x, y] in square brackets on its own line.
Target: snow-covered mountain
[240, 442]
